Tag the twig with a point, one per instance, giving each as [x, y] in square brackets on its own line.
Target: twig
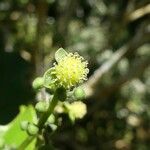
[38, 49]
[139, 13]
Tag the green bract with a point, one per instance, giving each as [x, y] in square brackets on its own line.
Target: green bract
[49, 79]
[60, 54]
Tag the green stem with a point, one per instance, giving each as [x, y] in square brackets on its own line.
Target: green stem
[41, 122]
[26, 142]
[45, 116]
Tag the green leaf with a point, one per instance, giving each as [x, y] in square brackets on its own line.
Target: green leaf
[12, 133]
[60, 53]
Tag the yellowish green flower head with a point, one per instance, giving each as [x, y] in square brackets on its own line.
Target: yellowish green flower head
[70, 70]
[77, 109]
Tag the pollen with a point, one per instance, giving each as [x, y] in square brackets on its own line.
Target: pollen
[71, 70]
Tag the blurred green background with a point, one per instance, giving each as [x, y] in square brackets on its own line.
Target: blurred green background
[113, 35]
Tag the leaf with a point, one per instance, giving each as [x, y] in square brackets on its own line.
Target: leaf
[60, 53]
[31, 146]
[12, 133]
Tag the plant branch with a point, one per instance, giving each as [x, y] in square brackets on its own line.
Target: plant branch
[138, 13]
[41, 121]
[38, 47]
[45, 116]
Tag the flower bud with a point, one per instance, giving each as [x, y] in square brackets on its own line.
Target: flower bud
[41, 106]
[24, 125]
[38, 83]
[32, 129]
[79, 93]
[51, 119]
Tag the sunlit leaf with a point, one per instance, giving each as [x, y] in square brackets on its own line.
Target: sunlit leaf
[12, 133]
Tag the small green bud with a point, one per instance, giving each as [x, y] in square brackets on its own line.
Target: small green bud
[32, 129]
[79, 93]
[24, 125]
[51, 119]
[41, 106]
[38, 83]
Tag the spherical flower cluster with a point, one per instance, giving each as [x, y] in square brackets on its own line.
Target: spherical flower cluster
[75, 110]
[78, 109]
[70, 70]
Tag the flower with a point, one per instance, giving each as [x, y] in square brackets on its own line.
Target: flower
[70, 70]
[77, 109]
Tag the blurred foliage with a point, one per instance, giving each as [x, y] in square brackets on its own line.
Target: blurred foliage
[13, 128]
[118, 114]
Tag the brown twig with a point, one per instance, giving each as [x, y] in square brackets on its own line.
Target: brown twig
[138, 13]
